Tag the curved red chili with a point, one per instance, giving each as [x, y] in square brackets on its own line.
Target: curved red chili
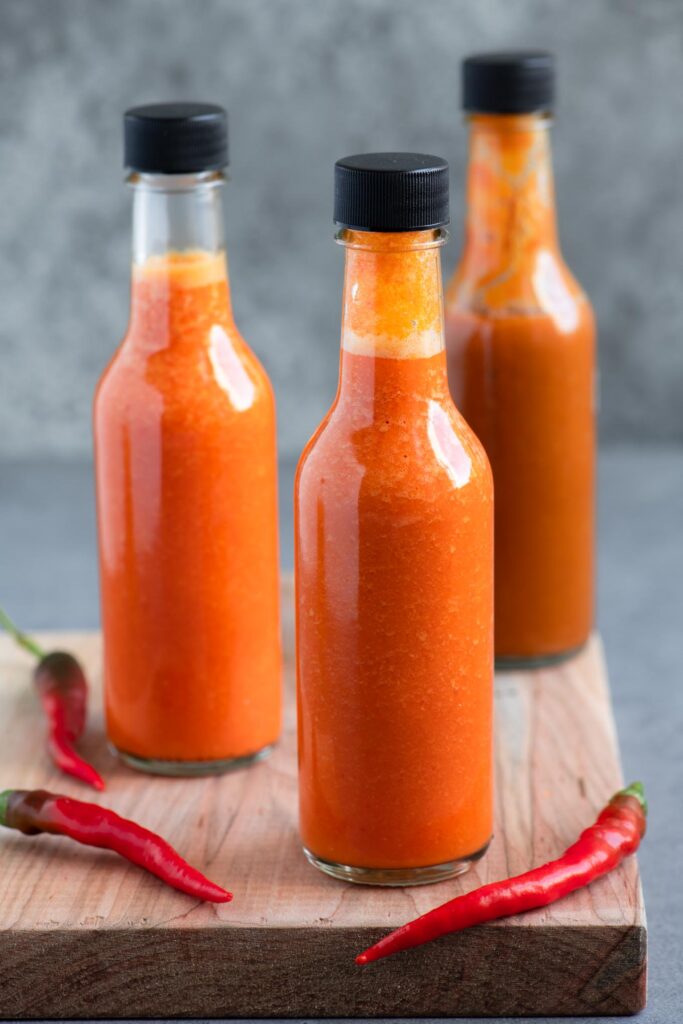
[63, 691]
[615, 834]
[34, 811]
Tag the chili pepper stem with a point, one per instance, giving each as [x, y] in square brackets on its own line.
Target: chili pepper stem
[637, 790]
[25, 641]
[4, 801]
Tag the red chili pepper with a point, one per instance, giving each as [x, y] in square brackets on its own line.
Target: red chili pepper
[616, 833]
[63, 692]
[34, 811]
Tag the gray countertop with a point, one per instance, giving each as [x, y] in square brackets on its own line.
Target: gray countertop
[48, 578]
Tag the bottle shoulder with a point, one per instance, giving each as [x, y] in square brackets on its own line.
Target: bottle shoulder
[421, 457]
[543, 287]
[217, 369]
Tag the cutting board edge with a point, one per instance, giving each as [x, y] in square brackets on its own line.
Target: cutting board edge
[418, 984]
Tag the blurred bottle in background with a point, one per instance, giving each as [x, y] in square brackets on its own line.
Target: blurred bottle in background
[185, 456]
[520, 341]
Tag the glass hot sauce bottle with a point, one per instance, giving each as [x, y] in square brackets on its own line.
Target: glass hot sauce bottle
[185, 457]
[520, 339]
[394, 561]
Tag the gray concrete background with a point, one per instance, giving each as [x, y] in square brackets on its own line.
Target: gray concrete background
[307, 81]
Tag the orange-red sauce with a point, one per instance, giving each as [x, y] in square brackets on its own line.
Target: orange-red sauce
[186, 485]
[394, 587]
[520, 341]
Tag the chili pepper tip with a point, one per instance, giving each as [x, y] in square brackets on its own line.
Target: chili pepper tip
[68, 761]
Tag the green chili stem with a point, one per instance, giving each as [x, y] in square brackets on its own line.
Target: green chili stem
[22, 639]
[4, 801]
[637, 790]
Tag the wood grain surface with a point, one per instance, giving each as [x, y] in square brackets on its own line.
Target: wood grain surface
[82, 934]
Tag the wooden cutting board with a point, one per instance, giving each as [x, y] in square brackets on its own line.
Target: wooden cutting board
[84, 935]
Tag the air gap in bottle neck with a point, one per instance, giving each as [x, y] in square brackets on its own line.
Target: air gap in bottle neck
[176, 155]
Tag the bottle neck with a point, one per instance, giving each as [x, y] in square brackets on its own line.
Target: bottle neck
[510, 194]
[176, 213]
[392, 335]
[178, 255]
[392, 301]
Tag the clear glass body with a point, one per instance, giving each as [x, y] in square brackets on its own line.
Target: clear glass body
[185, 458]
[520, 339]
[394, 591]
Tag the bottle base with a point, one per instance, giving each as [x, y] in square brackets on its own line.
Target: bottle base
[396, 876]
[191, 769]
[513, 662]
